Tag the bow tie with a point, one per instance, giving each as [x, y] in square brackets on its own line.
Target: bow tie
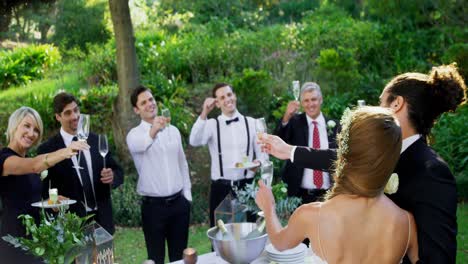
[232, 120]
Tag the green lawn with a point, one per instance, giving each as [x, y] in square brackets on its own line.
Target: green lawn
[130, 244]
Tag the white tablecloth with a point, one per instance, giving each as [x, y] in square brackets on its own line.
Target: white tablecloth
[211, 258]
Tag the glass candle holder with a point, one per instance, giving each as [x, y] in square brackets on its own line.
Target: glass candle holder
[190, 256]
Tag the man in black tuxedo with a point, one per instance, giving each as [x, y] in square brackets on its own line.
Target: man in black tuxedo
[90, 186]
[427, 188]
[312, 129]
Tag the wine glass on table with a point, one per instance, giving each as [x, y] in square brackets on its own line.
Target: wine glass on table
[82, 133]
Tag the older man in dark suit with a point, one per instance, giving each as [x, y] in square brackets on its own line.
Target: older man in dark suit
[91, 185]
[311, 129]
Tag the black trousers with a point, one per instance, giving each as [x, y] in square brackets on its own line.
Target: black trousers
[165, 219]
[219, 190]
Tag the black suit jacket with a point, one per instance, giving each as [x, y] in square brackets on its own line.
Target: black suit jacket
[64, 177]
[297, 133]
[427, 189]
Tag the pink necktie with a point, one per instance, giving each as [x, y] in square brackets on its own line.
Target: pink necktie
[318, 175]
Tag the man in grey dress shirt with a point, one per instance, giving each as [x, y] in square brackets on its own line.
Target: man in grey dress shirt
[163, 182]
[230, 138]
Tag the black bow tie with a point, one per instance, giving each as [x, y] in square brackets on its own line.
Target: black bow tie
[232, 120]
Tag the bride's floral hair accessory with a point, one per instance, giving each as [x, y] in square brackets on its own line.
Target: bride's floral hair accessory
[343, 138]
[392, 184]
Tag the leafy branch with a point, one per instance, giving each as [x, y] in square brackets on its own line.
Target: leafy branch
[284, 205]
[57, 239]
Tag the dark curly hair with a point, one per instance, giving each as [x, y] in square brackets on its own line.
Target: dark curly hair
[428, 95]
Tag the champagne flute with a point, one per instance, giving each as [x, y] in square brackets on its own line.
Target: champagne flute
[266, 172]
[167, 114]
[82, 133]
[260, 127]
[103, 147]
[296, 90]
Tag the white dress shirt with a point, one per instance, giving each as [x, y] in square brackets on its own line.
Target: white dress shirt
[67, 139]
[233, 144]
[160, 162]
[308, 178]
[409, 141]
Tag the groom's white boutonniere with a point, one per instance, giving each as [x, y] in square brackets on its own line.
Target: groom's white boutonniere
[392, 184]
[330, 125]
[44, 174]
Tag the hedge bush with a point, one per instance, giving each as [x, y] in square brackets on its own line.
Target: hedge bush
[22, 65]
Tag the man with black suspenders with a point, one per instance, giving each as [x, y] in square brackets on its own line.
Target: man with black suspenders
[230, 137]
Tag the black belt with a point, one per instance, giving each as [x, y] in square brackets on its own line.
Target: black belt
[164, 199]
[232, 182]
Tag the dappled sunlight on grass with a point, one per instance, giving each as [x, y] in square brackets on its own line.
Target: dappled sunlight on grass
[69, 80]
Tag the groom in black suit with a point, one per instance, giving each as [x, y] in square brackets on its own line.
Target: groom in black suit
[426, 188]
[89, 186]
[311, 129]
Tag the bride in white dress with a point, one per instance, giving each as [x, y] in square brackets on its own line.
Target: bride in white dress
[356, 223]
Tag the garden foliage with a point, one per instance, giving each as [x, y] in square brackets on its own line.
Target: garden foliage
[352, 49]
[23, 65]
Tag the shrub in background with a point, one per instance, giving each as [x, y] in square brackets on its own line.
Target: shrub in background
[126, 203]
[22, 65]
[450, 141]
[80, 22]
[254, 93]
[100, 64]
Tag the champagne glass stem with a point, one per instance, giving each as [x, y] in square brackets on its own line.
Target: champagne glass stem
[78, 160]
[104, 160]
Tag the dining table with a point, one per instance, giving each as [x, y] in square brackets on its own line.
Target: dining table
[213, 258]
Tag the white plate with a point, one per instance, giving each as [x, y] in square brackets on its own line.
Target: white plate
[44, 204]
[287, 259]
[295, 261]
[247, 165]
[293, 251]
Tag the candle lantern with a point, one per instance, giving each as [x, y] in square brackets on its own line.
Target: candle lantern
[230, 210]
[100, 249]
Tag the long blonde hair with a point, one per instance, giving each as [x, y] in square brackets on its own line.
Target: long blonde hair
[369, 146]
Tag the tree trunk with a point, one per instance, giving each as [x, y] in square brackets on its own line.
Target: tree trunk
[127, 75]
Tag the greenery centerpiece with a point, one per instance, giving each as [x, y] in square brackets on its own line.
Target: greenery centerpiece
[285, 205]
[57, 239]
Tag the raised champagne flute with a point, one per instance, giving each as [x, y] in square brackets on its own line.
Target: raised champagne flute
[296, 89]
[167, 114]
[260, 127]
[266, 172]
[103, 147]
[82, 133]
